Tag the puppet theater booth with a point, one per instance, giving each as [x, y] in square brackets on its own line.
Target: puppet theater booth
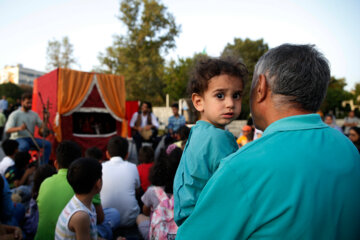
[87, 108]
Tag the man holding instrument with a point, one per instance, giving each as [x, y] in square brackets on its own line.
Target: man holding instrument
[21, 126]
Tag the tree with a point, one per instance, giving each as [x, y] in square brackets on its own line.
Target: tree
[151, 32]
[11, 91]
[249, 52]
[177, 75]
[335, 96]
[60, 54]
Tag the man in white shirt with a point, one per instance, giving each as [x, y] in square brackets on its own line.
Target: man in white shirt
[10, 147]
[144, 125]
[350, 121]
[120, 181]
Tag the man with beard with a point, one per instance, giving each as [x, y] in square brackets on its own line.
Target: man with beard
[22, 119]
[301, 179]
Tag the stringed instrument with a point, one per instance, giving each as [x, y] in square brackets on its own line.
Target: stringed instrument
[44, 130]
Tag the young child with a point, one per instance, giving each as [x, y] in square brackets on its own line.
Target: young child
[78, 219]
[157, 222]
[10, 147]
[216, 89]
[146, 159]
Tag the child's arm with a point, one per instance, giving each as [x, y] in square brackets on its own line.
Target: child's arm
[146, 210]
[80, 224]
[25, 176]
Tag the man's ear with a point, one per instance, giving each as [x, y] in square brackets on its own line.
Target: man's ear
[56, 164]
[261, 89]
[107, 155]
[198, 102]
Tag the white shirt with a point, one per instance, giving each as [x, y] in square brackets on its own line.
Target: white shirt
[154, 121]
[5, 163]
[120, 179]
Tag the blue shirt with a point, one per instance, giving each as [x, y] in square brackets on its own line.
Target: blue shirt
[204, 149]
[176, 122]
[301, 180]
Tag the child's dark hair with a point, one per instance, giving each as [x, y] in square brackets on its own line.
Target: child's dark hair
[21, 159]
[146, 155]
[83, 174]
[67, 152]
[164, 169]
[207, 68]
[9, 146]
[43, 172]
[94, 152]
[118, 147]
[184, 132]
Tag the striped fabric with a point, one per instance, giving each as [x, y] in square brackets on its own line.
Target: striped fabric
[62, 230]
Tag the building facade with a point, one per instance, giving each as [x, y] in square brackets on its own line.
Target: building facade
[19, 75]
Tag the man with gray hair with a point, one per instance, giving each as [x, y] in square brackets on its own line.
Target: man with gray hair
[301, 179]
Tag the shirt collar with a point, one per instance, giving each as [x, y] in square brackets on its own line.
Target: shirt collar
[298, 122]
[116, 159]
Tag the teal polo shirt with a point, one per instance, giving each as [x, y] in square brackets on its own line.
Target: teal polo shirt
[301, 180]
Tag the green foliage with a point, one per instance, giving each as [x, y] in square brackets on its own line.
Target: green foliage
[177, 75]
[60, 54]
[249, 52]
[151, 32]
[335, 96]
[11, 91]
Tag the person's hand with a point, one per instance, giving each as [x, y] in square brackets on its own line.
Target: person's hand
[22, 127]
[17, 233]
[30, 170]
[147, 127]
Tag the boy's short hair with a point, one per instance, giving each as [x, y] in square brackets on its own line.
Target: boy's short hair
[146, 154]
[207, 68]
[118, 147]
[175, 105]
[67, 152]
[21, 159]
[9, 146]
[83, 174]
[94, 152]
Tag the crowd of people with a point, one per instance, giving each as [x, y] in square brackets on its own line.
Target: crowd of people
[299, 179]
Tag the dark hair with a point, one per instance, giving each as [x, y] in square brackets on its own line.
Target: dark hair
[146, 154]
[184, 132]
[9, 146]
[67, 152]
[83, 174]
[21, 159]
[43, 172]
[207, 68]
[26, 95]
[175, 105]
[357, 130]
[163, 171]
[298, 74]
[147, 103]
[94, 152]
[118, 147]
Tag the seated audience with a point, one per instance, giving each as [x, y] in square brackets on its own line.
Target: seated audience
[350, 121]
[55, 192]
[78, 219]
[19, 173]
[32, 214]
[157, 222]
[120, 181]
[10, 147]
[354, 136]
[146, 159]
[94, 152]
[330, 120]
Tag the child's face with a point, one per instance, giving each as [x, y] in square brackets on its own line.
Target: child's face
[221, 102]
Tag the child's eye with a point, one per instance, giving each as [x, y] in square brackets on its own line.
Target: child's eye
[237, 95]
[220, 95]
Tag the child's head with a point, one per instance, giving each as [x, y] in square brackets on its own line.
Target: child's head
[22, 159]
[184, 132]
[118, 147]
[94, 152]
[66, 153]
[164, 169]
[146, 154]
[216, 88]
[43, 172]
[84, 174]
[10, 147]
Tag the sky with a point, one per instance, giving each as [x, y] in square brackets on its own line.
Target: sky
[332, 25]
